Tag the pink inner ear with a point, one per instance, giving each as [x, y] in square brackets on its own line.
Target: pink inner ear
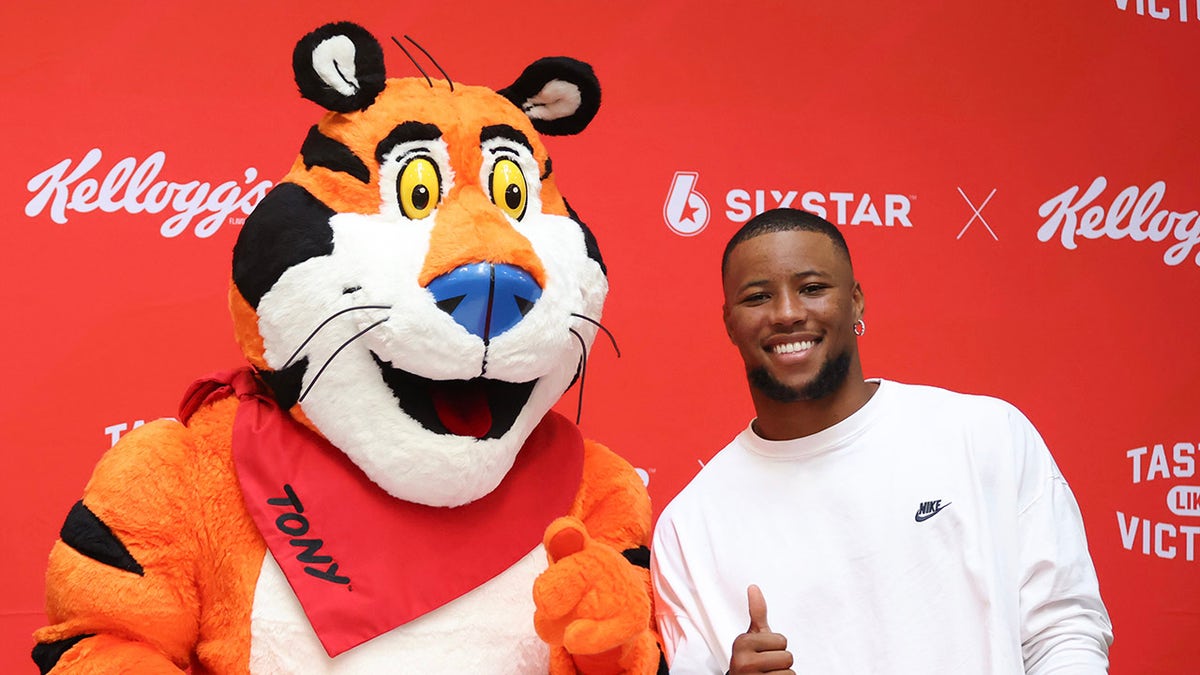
[556, 100]
[462, 407]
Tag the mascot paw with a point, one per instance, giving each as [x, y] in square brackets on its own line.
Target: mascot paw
[590, 600]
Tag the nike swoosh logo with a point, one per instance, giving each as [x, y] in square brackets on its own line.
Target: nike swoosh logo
[922, 517]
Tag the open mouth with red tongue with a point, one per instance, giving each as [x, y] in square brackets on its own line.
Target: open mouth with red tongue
[480, 407]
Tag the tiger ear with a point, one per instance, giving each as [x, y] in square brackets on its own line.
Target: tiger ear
[340, 67]
[559, 94]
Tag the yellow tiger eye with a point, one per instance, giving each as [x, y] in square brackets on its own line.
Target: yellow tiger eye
[419, 189]
[509, 188]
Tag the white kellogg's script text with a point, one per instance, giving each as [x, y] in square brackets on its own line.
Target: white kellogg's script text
[1133, 213]
[134, 187]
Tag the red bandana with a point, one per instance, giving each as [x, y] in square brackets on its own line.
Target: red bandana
[360, 561]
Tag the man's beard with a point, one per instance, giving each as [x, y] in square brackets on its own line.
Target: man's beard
[829, 379]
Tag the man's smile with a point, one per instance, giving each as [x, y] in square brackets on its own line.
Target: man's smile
[786, 348]
[793, 347]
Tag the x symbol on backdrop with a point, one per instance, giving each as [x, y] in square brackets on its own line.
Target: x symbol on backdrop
[977, 214]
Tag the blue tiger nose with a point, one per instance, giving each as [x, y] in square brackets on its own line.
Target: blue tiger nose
[484, 298]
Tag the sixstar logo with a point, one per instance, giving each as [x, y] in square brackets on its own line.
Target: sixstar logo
[839, 208]
[686, 211]
[133, 187]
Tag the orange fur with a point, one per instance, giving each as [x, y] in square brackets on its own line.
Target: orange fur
[170, 494]
[245, 328]
[461, 237]
[593, 606]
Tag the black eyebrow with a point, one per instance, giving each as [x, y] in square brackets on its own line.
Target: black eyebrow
[811, 273]
[505, 132]
[321, 150]
[751, 284]
[405, 133]
[823, 276]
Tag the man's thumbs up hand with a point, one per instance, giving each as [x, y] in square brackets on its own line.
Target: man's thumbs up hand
[759, 650]
[758, 610]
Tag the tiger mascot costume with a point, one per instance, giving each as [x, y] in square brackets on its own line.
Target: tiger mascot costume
[386, 489]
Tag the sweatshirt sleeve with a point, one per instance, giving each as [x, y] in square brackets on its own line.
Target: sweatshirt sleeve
[676, 606]
[1065, 629]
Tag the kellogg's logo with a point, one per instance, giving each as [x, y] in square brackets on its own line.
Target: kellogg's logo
[1133, 213]
[133, 187]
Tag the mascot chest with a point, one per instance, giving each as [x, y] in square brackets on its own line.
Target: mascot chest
[488, 630]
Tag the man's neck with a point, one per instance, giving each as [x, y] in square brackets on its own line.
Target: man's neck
[778, 421]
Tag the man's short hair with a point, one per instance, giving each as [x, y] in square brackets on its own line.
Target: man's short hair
[785, 220]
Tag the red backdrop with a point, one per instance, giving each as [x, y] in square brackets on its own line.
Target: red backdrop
[945, 138]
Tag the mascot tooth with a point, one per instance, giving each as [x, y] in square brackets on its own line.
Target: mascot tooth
[385, 488]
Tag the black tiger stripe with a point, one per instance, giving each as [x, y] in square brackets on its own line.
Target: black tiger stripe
[47, 654]
[639, 556]
[406, 132]
[506, 132]
[287, 227]
[286, 382]
[321, 150]
[87, 534]
[589, 239]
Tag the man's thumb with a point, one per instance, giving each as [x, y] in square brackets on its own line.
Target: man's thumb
[758, 610]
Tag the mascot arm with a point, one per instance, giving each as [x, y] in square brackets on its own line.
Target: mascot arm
[121, 595]
[594, 600]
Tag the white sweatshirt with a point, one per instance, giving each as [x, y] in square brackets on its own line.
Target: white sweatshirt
[929, 533]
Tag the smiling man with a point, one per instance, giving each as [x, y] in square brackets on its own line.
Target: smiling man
[892, 528]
